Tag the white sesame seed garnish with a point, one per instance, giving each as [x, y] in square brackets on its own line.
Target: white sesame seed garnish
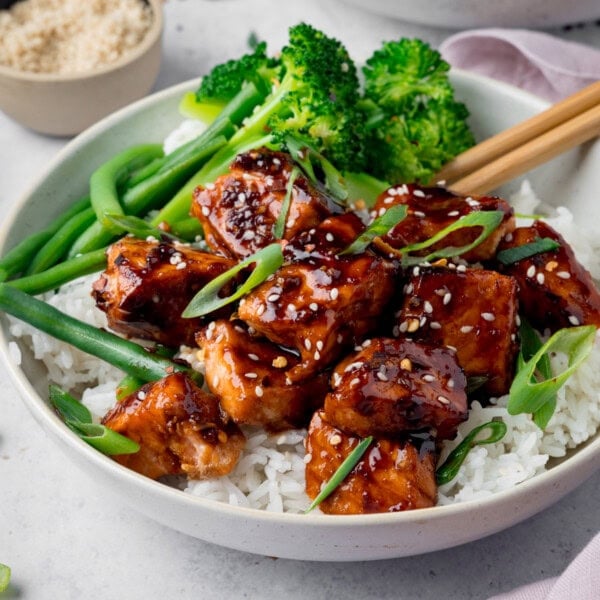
[518, 321]
[381, 211]
[408, 289]
[248, 235]
[428, 378]
[531, 271]
[540, 278]
[307, 458]
[388, 200]
[395, 331]
[205, 211]
[340, 338]
[355, 381]
[273, 297]
[419, 213]
[466, 329]
[508, 237]
[251, 375]
[261, 309]
[337, 379]
[419, 193]
[317, 355]
[313, 306]
[319, 344]
[381, 376]
[564, 274]
[329, 237]
[180, 266]
[451, 383]
[334, 293]
[335, 439]
[435, 325]
[141, 395]
[453, 213]
[443, 400]
[276, 161]
[258, 391]
[573, 320]
[403, 326]
[252, 356]
[427, 307]
[366, 343]
[461, 268]
[488, 316]
[353, 366]
[447, 298]
[307, 344]
[416, 271]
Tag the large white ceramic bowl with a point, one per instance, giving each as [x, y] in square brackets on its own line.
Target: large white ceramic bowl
[461, 14]
[573, 180]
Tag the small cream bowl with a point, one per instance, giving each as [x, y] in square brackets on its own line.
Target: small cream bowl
[64, 105]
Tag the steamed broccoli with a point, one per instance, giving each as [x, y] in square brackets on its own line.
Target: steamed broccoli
[314, 100]
[414, 125]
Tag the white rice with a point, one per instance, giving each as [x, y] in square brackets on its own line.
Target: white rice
[270, 474]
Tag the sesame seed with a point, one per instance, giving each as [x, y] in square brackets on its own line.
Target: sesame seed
[273, 297]
[319, 345]
[366, 343]
[307, 458]
[337, 379]
[381, 376]
[291, 307]
[573, 320]
[447, 298]
[453, 213]
[517, 320]
[251, 375]
[307, 344]
[530, 271]
[388, 200]
[242, 197]
[419, 213]
[451, 383]
[313, 306]
[276, 161]
[487, 316]
[403, 326]
[219, 338]
[461, 268]
[508, 237]
[355, 381]
[540, 278]
[353, 366]
[443, 400]
[427, 307]
[335, 439]
[329, 237]
[210, 186]
[258, 391]
[141, 395]
[317, 355]
[252, 356]
[180, 266]
[435, 325]
[416, 271]
[382, 211]
[466, 329]
[334, 293]
[564, 274]
[395, 331]
[402, 189]
[205, 211]
[261, 309]
[419, 193]
[406, 364]
[428, 378]
[408, 289]
[340, 338]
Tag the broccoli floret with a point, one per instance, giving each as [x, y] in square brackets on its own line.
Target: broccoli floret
[314, 100]
[226, 79]
[414, 124]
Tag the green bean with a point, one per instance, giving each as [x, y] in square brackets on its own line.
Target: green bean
[18, 258]
[146, 196]
[56, 248]
[187, 229]
[127, 386]
[144, 172]
[62, 273]
[128, 356]
[103, 182]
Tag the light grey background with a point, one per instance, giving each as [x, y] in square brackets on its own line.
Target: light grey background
[67, 539]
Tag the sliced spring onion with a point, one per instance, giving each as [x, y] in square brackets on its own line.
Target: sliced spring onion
[79, 420]
[513, 255]
[488, 220]
[379, 227]
[4, 577]
[448, 471]
[137, 227]
[341, 473]
[531, 389]
[279, 226]
[267, 260]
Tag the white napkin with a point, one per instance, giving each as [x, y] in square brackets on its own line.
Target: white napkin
[537, 62]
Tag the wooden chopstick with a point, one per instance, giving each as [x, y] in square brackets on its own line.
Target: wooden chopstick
[513, 152]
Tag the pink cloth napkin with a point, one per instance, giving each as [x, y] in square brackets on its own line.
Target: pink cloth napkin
[580, 581]
[537, 62]
[551, 68]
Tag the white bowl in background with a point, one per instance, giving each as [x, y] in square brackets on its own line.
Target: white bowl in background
[462, 14]
[572, 179]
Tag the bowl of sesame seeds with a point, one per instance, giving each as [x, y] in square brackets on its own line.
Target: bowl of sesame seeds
[66, 64]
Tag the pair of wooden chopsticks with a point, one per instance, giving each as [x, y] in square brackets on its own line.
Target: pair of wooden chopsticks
[525, 146]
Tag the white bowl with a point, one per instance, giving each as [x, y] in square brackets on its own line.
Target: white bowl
[462, 14]
[573, 180]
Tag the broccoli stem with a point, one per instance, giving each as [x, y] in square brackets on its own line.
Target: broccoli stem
[131, 358]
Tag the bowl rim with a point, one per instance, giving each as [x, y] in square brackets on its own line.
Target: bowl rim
[153, 34]
[43, 413]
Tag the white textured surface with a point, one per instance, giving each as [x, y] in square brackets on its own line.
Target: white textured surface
[66, 538]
